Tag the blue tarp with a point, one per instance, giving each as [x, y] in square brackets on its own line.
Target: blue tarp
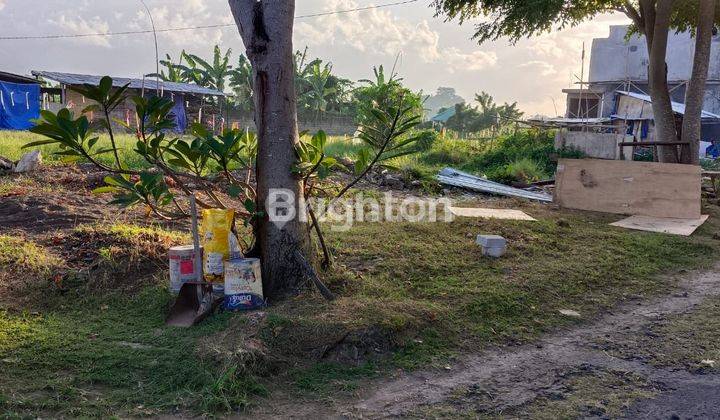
[179, 112]
[19, 104]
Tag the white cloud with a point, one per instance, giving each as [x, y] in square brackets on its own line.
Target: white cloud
[541, 67]
[79, 25]
[183, 14]
[378, 31]
[2, 4]
[476, 60]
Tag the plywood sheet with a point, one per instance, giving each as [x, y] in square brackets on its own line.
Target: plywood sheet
[508, 214]
[684, 227]
[633, 188]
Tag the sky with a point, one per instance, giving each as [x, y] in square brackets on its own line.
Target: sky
[432, 52]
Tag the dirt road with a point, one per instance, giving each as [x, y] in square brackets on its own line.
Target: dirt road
[646, 359]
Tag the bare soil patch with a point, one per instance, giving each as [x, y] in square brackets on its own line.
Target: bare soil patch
[567, 373]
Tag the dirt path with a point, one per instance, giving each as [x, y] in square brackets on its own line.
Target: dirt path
[603, 369]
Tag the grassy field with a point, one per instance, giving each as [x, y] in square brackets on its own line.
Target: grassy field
[11, 143]
[88, 339]
[410, 295]
[524, 156]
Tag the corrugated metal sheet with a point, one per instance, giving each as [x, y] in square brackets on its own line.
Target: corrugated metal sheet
[444, 116]
[16, 78]
[677, 107]
[449, 176]
[148, 84]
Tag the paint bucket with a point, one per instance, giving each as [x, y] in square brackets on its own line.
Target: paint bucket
[243, 284]
[182, 266]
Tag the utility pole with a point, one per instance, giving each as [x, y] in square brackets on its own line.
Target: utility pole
[157, 53]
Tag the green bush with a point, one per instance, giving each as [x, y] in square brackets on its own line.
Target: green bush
[525, 170]
[447, 151]
[535, 145]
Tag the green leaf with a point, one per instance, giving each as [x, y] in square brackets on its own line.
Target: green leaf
[249, 205]
[103, 190]
[234, 191]
[38, 143]
[105, 85]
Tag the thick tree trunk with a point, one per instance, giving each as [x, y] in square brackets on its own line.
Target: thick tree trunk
[695, 93]
[657, 25]
[266, 28]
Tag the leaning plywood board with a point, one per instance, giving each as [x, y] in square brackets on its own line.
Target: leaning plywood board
[633, 188]
[684, 227]
[508, 214]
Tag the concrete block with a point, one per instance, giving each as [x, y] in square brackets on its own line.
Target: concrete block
[494, 252]
[491, 241]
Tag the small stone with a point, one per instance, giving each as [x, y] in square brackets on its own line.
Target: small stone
[346, 161]
[563, 223]
[392, 182]
[29, 162]
[570, 313]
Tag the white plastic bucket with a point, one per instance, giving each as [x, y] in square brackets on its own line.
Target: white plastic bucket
[182, 266]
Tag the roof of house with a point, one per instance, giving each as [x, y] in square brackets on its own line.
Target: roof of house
[566, 122]
[677, 107]
[148, 83]
[444, 116]
[16, 78]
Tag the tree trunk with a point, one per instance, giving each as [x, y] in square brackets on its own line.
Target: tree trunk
[695, 93]
[657, 25]
[266, 28]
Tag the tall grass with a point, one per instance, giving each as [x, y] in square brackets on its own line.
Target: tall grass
[522, 156]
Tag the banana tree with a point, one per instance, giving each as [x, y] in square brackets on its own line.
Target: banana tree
[172, 72]
[316, 96]
[212, 75]
[241, 83]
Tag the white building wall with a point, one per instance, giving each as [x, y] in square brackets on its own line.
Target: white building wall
[618, 58]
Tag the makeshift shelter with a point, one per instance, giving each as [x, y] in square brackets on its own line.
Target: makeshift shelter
[191, 104]
[19, 101]
[634, 111]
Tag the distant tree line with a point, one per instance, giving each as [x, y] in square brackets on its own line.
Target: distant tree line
[318, 89]
[484, 116]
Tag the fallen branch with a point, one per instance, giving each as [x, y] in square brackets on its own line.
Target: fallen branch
[310, 272]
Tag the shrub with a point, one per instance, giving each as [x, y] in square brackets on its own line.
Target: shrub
[446, 151]
[525, 170]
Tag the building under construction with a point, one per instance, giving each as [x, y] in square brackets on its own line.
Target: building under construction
[614, 101]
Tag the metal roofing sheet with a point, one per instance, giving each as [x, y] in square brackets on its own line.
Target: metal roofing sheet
[444, 116]
[148, 83]
[16, 78]
[450, 176]
[677, 107]
[569, 121]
